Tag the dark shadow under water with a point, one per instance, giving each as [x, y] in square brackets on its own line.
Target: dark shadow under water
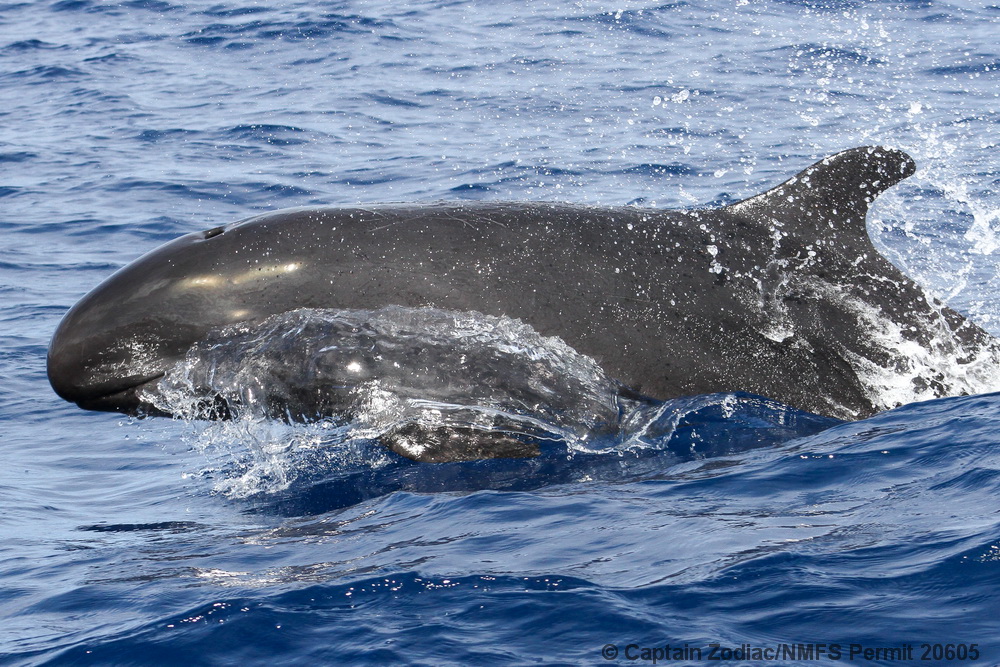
[702, 428]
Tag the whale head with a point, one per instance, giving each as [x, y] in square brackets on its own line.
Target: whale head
[129, 330]
[126, 332]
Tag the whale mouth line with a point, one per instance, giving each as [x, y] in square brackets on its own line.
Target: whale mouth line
[122, 400]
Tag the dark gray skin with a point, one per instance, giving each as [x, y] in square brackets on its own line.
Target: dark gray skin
[670, 303]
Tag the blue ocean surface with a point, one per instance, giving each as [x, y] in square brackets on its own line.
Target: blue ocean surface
[776, 536]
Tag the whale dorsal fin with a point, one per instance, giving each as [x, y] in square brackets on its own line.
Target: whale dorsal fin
[828, 201]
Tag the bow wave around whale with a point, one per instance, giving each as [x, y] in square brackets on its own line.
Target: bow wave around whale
[511, 317]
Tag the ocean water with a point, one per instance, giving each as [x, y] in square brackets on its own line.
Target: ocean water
[748, 525]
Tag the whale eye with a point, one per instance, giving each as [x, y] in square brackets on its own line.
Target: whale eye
[212, 233]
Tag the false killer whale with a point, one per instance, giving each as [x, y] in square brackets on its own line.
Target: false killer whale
[781, 295]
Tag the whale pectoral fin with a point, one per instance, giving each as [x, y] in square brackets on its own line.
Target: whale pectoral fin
[440, 444]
